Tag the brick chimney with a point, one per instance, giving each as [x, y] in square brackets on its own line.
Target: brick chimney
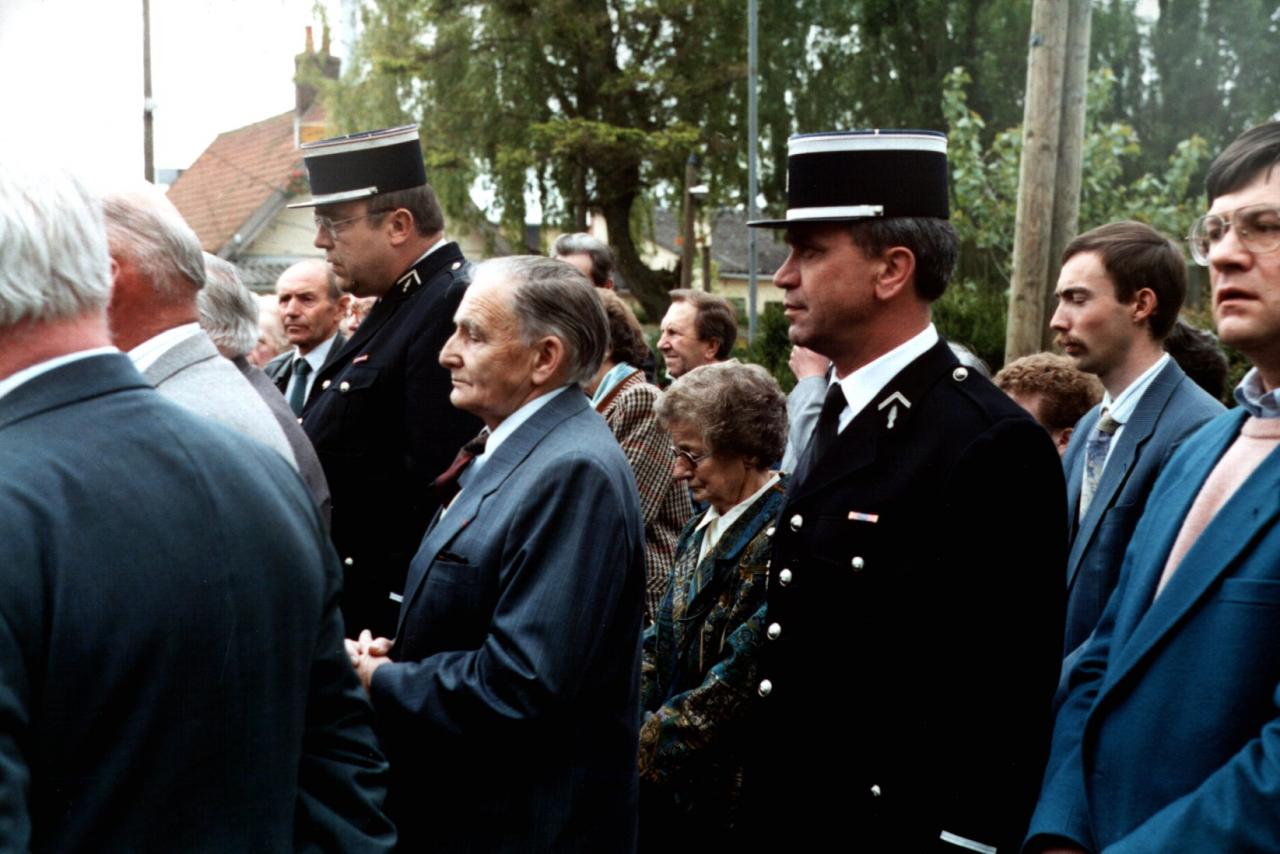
[309, 66]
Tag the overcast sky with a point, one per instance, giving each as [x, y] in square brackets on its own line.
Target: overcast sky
[72, 75]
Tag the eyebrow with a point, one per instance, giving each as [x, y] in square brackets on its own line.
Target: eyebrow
[1071, 290]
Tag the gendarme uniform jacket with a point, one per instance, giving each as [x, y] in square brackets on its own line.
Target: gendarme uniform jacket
[381, 422]
[914, 625]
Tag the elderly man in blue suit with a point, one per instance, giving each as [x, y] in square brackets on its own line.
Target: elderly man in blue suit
[172, 675]
[508, 703]
[1170, 737]
[1119, 293]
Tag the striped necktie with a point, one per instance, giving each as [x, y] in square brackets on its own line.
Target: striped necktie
[1095, 457]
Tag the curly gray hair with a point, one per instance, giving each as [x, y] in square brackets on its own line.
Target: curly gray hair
[738, 409]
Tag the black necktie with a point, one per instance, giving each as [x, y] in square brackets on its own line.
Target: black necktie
[825, 435]
[297, 397]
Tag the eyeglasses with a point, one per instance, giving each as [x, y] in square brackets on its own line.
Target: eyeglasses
[330, 226]
[1257, 227]
[688, 457]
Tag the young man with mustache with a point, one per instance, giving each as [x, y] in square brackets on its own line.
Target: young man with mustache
[1119, 293]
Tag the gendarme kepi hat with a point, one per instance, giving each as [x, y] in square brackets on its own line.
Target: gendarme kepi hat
[364, 164]
[862, 174]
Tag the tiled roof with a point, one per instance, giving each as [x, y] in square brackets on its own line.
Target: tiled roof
[729, 241]
[236, 175]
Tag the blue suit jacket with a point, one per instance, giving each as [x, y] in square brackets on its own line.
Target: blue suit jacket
[1169, 410]
[511, 715]
[1170, 737]
[172, 676]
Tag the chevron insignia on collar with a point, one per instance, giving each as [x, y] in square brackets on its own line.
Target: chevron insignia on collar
[408, 280]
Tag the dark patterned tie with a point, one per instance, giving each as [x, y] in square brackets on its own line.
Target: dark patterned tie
[298, 396]
[446, 486]
[1095, 456]
[824, 436]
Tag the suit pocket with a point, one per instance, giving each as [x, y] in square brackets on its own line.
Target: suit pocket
[1250, 591]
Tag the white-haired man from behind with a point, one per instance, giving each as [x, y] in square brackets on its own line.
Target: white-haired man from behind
[157, 271]
[169, 602]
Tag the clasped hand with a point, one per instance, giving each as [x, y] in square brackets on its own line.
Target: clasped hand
[367, 654]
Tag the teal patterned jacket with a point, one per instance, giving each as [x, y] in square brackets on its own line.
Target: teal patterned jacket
[698, 673]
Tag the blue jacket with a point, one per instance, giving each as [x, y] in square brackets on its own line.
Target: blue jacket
[1170, 737]
[511, 713]
[1170, 409]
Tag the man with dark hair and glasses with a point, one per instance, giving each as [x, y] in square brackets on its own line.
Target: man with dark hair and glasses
[1169, 739]
[378, 411]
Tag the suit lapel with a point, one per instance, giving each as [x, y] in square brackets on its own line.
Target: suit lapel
[69, 383]
[188, 351]
[1137, 431]
[890, 409]
[1073, 465]
[495, 471]
[1142, 623]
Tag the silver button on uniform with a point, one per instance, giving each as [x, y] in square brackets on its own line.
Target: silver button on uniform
[784, 577]
[858, 563]
[764, 688]
[324, 385]
[875, 791]
[960, 374]
[349, 562]
[344, 387]
[774, 631]
[796, 521]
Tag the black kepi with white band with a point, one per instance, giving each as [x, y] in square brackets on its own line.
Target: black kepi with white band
[360, 165]
[843, 176]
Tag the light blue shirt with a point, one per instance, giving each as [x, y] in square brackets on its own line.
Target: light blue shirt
[508, 426]
[1121, 409]
[1257, 400]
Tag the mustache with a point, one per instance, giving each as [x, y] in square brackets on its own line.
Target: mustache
[1062, 341]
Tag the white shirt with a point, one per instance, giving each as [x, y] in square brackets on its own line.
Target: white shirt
[14, 380]
[861, 386]
[315, 359]
[149, 352]
[1121, 409]
[716, 524]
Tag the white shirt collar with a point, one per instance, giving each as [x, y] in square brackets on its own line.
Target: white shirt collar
[432, 248]
[318, 353]
[27, 374]
[861, 386]
[148, 352]
[1121, 409]
[716, 524]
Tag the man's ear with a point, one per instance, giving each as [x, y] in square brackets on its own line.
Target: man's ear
[1063, 438]
[897, 272]
[399, 226]
[1144, 304]
[548, 360]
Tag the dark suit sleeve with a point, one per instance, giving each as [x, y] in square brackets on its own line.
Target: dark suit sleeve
[19, 610]
[1062, 811]
[342, 776]
[1004, 594]
[567, 572]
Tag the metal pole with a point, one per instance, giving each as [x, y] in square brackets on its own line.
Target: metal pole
[148, 146]
[753, 59]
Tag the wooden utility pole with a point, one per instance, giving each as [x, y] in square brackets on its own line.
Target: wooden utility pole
[1066, 198]
[1040, 143]
[148, 145]
[686, 249]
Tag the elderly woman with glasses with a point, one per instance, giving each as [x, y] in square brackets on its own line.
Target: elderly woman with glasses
[728, 426]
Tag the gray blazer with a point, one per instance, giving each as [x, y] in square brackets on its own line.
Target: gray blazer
[194, 374]
[308, 463]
